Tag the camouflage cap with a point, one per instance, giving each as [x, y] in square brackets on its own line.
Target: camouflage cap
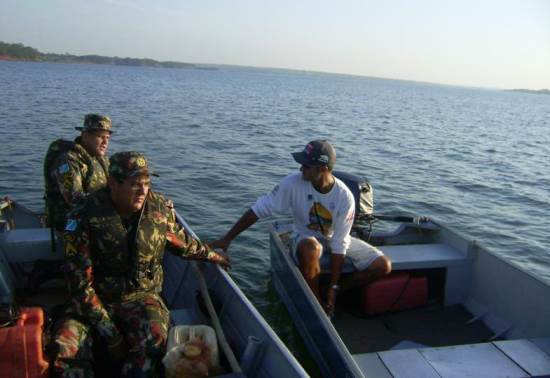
[129, 164]
[94, 122]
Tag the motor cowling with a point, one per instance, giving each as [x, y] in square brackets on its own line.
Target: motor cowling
[363, 193]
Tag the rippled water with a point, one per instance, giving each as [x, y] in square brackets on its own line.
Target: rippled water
[474, 159]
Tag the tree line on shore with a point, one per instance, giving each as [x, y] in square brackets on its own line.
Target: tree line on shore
[18, 51]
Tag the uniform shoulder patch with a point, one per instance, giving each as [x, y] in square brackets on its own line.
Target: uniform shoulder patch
[71, 225]
[63, 168]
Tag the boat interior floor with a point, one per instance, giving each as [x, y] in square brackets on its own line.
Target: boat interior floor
[50, 297]
[429, 326]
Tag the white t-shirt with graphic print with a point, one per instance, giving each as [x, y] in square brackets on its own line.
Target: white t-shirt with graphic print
[325, 216]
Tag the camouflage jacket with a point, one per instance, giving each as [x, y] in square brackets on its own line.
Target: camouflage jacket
[104, 266]
[70, 173]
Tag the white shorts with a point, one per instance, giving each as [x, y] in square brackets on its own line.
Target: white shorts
[359, 255]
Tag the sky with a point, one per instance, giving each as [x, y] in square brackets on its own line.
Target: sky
[499, 44]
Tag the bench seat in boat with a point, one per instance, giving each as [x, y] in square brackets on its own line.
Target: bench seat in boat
[414, 256]
[422, 256]
[29, 245]
[456, 263]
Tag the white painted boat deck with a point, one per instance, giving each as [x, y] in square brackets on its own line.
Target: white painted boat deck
[509, 358]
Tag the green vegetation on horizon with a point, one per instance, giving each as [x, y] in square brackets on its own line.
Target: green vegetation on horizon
[18, 51]
[541, 91]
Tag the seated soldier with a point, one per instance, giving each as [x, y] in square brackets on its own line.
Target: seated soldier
[114, 246]
[75, 169]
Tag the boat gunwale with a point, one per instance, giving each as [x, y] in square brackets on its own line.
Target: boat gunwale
[343, 353]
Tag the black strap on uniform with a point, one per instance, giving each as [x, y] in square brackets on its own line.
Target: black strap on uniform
[52, 239]
[132, 245]
[51, 220]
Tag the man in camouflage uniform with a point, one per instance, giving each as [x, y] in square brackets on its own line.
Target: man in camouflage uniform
[75, 169]
[114, 246]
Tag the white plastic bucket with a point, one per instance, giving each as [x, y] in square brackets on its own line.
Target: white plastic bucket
[186, 338]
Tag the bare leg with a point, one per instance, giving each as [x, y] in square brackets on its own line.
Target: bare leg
[378, 269]
[309, 251]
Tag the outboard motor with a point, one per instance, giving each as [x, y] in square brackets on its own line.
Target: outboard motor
[362, 192]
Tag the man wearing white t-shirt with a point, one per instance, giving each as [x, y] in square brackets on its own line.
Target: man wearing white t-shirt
[323, 210]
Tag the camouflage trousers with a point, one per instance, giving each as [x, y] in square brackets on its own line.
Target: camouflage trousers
[143, 321]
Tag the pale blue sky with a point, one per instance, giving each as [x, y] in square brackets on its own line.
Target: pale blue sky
[496, 44]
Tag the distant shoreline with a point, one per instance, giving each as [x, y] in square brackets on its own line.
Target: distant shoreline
[531, 91]
[17, 52]
[20, 52]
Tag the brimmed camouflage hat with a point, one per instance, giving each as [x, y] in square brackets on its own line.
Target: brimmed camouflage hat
[94, 122]
[129, 164]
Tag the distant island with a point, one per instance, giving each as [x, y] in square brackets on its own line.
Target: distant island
[542, 91]
[20, 52]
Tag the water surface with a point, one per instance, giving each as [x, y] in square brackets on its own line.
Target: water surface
[474, 159]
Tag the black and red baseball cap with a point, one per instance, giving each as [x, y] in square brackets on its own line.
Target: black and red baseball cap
[316, 153]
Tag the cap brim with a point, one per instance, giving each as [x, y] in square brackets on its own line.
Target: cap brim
[303, 159]
[134, 173]
[92, 129]
[143, 173]
[300, 157]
